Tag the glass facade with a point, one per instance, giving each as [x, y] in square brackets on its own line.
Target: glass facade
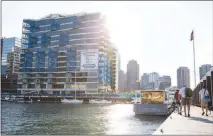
[10, 55]
[51, 51]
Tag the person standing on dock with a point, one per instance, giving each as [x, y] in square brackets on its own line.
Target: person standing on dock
[204, 98]
[186, 94]
[177, 101]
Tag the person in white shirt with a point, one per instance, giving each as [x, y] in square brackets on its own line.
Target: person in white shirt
[184, 101]
[204, 103]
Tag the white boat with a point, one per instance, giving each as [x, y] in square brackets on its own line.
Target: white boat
[100, 101]
[6, 98]
[74, 101]
[153, 103]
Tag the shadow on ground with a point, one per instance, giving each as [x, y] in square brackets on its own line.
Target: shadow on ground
[202, 119]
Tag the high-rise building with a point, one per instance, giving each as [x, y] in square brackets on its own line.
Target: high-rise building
[204, 69]
[67, 53]
[144, 81]
[163, 82]
[132, 75]
[183, 77]
[117, 70]
[122, 81]
[153, 77]
[119, 62]
[10, 55]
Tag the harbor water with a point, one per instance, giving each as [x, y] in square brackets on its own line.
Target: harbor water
[73, 119]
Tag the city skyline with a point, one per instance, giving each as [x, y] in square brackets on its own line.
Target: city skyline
[150, 19]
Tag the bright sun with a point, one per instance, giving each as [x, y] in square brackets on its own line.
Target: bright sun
[124, 26]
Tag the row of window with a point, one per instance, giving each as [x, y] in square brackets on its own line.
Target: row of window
[61, 43]
[51, 68]
[69, 31]
[71, 74]
[71, 80]
[55, 27]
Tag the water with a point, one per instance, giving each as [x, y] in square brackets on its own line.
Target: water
[73, 119]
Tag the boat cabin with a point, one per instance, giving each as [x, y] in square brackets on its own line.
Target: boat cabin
[153, 97]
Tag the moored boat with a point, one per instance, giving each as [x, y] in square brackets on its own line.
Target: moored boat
[74, 101]
[153, 103]
[100, 102]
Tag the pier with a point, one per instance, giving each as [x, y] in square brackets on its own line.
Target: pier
[197, 124]
[177, 124]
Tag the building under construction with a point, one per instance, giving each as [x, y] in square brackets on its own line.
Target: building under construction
[67, 53]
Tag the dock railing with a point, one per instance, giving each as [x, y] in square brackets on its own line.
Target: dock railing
[207, 81]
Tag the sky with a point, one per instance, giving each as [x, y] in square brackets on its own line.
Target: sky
[156, 34]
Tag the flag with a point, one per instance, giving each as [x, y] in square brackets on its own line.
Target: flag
[192, 35]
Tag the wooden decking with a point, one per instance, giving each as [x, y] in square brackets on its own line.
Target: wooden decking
[180, 125]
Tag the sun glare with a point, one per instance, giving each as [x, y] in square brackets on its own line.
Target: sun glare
[124, 26]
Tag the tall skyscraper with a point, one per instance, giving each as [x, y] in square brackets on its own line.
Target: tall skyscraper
[183, 77]
[204, 69]
[153, 77]
[67, 53]
[117, 70]
[122, 81]
[119, 62]
[144, 81]
[10, 59]
[132, 75]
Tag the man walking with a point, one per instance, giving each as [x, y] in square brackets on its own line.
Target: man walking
[204, 97]
[177, 101]
[186, 94]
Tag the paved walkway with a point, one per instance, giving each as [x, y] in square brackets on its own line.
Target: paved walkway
[179, 125]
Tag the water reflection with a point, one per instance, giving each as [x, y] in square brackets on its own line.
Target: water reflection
[68, 119]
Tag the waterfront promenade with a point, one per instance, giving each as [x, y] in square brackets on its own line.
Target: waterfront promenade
[180, 125]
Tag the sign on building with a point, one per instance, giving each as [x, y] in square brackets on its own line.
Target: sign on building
[89, 60]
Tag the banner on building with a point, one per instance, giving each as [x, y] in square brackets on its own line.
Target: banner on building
[89, 60]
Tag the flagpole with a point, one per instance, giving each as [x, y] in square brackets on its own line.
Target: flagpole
[194, 60]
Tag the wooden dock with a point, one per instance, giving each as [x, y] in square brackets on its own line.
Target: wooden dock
[180, 125]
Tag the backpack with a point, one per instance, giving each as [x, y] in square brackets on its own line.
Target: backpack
[188, 92]
[176, 95]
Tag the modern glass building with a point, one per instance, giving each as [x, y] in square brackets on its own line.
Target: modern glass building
[66, 53]
[10, 55]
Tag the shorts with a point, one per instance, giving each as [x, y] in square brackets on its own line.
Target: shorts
[204, 103]
[186, 101]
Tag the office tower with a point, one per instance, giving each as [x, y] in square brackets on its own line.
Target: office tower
[122, 81]
[10, 61]
[132, 75]
[183, 77]
[163, 82]
[10, 58]
[144, 81]
[117, 70]
[153, 77]
[67, 53]
[204, 69]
